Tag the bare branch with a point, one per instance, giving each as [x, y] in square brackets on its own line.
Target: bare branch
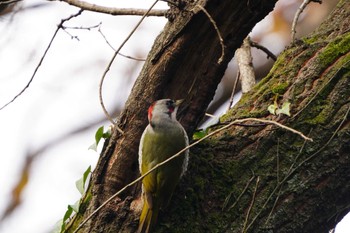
[245, 65]
[109, 117]
[123, 55]
[264, 49]
[83, 28]
[114, 11]
[233, 90]
[297, 15]
[59, 26]
[217, 31]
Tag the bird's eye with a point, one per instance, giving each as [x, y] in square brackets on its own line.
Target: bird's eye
[170, 103]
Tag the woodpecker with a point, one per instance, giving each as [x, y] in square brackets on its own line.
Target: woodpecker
[163, 137]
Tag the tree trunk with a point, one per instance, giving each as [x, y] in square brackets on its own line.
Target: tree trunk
[244, 179]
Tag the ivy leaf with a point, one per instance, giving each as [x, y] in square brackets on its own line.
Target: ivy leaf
[93, 147]
[272, 109]
[98, 135]
[285, 109]
[107, 134]
[61, 224]
[66, 217]
[200, 134]
[75, 206]
[58, 228]
[80, 184]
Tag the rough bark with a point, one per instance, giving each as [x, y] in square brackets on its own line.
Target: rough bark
[183, 63]
[265, 179]
[254, 179]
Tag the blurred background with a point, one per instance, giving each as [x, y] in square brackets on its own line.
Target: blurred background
[47, 130]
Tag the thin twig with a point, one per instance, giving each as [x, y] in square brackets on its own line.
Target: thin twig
[278, 161]
[59, 26]
[83, 28]
[233, 90]
[281, 183]
[274, 205]
[278, 187]
[111, 62]
[250, 206]
[320, 90]
[297, 15]
[110, 45]
[8, 2]
[327, 143]
[277, 124]
[69, 34]
[179, 154]
[210, 115]
[264, 49]
[64, 28]
[114, 11]
[298, 155]
[241, 194]
[290, 172]
[221, 58]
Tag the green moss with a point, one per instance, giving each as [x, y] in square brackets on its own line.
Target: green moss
[318, 112]
[298, 88]
[320, 119]
[263, 81]
[282, 58]
[256, 113]
[310, 40]
[225, 118]
[280, 88]
[336, 48]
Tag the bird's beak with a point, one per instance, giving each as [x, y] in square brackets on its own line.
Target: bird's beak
[178, 102]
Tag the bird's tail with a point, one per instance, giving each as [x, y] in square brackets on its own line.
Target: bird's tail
[148, 217]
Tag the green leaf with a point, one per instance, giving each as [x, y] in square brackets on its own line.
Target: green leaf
[65, 218]
[75, 207]
[80, 184]
[272, 109]
[93, 147]
[58, 228]
[107, 134]
[86, 173]
[67, 214]
[285, 109]
[200, 134]
[98, 135]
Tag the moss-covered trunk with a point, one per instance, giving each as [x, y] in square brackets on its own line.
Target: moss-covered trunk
[244, 179]
[267, 179]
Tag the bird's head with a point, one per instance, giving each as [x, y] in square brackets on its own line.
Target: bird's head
[164, 108]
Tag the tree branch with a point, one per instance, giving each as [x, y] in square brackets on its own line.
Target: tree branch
[113, 11]
[59, 26]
